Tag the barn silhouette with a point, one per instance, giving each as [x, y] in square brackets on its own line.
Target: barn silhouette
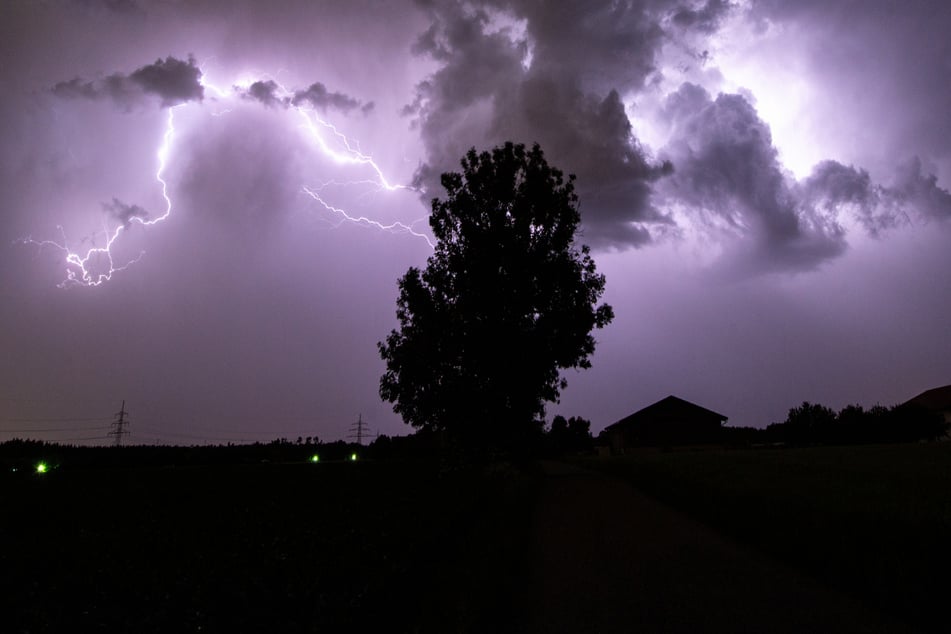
[669, 421]
[937, 400]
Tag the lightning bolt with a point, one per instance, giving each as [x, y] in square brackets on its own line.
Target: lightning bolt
[81, 268]
[312, 123]
[97, 265]
[397, 227]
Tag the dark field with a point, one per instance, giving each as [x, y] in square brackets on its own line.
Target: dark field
[872, 521]
[267, 548]
[410, 547]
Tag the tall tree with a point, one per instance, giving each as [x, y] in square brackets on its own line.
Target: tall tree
[506, 302]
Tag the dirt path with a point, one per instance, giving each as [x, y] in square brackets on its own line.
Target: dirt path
[606, 558]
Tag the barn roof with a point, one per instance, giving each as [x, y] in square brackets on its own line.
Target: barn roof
[670, 407]
[938, 398]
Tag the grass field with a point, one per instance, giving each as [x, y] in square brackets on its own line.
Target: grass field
[874, 521]
[267, 547]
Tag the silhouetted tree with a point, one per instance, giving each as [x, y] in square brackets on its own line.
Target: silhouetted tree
[505, 303]
[579, 434]
[570, 436]
[558, 435]
[851, 425]
[814, 423]
[808, 422]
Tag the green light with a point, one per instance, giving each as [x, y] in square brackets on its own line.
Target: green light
[41, 467]
[353, 457]
[315, 458]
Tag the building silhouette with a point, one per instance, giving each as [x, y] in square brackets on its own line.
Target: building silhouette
[668, 422]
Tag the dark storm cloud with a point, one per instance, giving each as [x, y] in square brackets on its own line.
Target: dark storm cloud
[266, 93]
[705, 18]
[913, 195]
[558, 83]
[319, 97]
[728, 175]
[316, 95]
[561, 74]
[123, 212]
[832, 186]
[918, 189]
[172, 80]
[600, 46]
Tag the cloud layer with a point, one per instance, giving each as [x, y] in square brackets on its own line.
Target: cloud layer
[571, 78]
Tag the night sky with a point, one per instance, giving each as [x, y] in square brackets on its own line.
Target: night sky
[764, 184]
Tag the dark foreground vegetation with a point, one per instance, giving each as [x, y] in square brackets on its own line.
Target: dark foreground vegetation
[260, 538]
[132, 545]
[816, 424]
[872, 521]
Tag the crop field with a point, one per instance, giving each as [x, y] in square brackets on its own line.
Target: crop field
[872, 521]
[259, 547]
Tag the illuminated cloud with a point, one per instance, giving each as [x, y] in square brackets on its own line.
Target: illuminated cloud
[727, 175]
[319, 97]
[551, 74]
[913, 196]
[705, 18]
[172, 80]
[267, 92]
[271, 94]
[571, 77]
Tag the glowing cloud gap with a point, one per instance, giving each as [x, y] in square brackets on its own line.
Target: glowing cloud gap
[97, 265]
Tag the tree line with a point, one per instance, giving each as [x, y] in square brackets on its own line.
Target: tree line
[813, 423]
[20, 456]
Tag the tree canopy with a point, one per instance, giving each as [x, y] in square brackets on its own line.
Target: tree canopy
[506, 302]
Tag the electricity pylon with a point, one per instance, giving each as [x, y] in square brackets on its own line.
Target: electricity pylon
[358, 429]
[119, 424]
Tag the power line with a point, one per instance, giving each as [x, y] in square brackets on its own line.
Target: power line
[61, 440]
[12, 399]
[159, 432]
[231, 430]
[231, 434]
[119, 428]
[55, 420]
[54, 429]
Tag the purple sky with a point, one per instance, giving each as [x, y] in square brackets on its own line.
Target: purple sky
[765, 185]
